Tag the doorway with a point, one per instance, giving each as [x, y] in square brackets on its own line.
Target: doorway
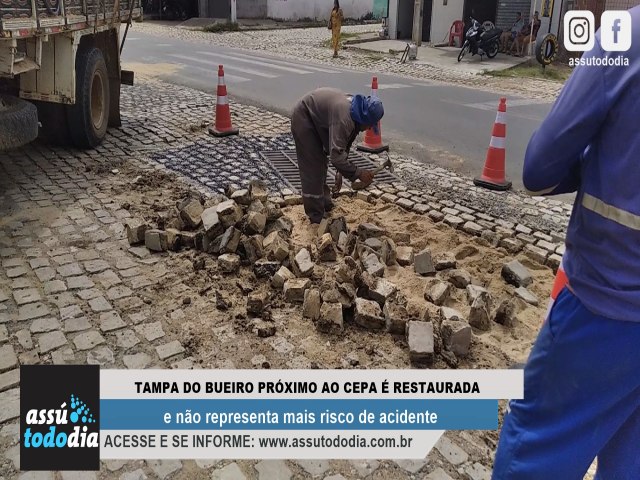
[481, 10]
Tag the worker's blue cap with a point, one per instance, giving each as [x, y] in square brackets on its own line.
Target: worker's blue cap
[367, 110]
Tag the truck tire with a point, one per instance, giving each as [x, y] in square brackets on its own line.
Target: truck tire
[18, 122]
[89, 117]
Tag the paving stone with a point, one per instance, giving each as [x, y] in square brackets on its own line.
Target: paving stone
[164, 468]
[150, 331]
[3, 296]
[8, 359]
[311, 304]
[459, 278]
[331, 319]
[63, 259]
[516, 274]
[12, 262]
[54, 286]
[100, 304]
[4, 334]
[27, 295]
[51, 341]
[230, 472]
[412, 466]
[273, 470]
[32, 310]
[110, 321]
[89, 293]
[169, 350]
[76, 324]
[281, 276]
[206, 463]
[506, 313]
[10, 401]
[479, 315]
[45, 274]
[96, 266]
[438, 293]
[79, 475]
[15, 272]
[314, 467]
[295, 288]
[136, 361]
[79, 282]
[477, 471]
[527, 296]
[24, 339]
[335, 477]
[438, 474]
[536, 253]
[229, 262]
[45, 324]
[511, 245]
[303, 266]
[70, 312]
[135, 475]
[421, 342]
[22, 282]
[450, 451]
[404, 256]
[36, 475]
[382, 291]
[554, 261]
[118, 292]
[365, 467]
[70, 270]
[107, 278]
[475, 291]
[88, 340]
[86, 255]
[102, 356]
[368, 314]
[423, 263]
[9, 379]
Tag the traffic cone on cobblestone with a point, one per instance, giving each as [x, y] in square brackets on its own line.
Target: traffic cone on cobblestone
[222, 126]
[373, 141]
[493, 174]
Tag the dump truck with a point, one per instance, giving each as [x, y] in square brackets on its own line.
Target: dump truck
[60, 73]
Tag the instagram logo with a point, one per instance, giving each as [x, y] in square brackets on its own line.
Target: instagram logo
[579, 31]
[615, 30]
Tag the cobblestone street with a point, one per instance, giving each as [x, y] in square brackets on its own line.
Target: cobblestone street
[72, 290]
[308, 44]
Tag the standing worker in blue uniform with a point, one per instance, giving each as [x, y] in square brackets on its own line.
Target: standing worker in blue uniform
[582, 379]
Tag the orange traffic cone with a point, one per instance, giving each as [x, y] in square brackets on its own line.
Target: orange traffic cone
[493, 175]
[222, 127]
[372, 140]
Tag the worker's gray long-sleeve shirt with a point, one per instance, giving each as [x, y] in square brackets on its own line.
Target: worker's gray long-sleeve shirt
[330, 112]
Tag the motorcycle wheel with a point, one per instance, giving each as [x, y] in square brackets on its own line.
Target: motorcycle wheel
[463, 50]
[492, 51]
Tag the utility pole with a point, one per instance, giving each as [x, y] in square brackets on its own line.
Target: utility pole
[234, 18]
[417, 22]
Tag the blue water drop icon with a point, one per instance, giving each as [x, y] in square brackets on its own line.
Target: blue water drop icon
[74, 417]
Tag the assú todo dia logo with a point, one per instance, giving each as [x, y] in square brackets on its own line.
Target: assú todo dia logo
[60, 417]
[75, 412]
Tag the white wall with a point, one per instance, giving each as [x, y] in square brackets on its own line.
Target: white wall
[318, 9]
[393, 19]
[442, 17]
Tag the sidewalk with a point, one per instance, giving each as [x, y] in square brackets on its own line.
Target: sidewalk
[442, 57]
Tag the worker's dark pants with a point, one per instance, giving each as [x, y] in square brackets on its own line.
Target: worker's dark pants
[581, 400]
[312, 164]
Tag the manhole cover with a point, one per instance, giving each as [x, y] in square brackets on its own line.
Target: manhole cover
[286, 163]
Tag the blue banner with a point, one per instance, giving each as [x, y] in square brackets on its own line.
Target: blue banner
[303, 414]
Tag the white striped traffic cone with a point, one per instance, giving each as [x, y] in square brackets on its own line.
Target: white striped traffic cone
[493, 174]
[222, 126]
[373, 141]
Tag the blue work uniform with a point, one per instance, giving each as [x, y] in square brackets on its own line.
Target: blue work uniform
[582, 379]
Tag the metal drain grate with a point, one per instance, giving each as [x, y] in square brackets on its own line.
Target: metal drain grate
[286, 163]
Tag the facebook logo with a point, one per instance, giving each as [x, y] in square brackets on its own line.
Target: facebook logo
[615, 30]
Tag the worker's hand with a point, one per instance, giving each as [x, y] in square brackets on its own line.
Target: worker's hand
[366, 177]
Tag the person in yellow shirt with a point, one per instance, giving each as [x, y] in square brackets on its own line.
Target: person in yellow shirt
[335, 24]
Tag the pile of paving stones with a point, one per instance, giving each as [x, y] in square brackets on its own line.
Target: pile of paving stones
[247, 227]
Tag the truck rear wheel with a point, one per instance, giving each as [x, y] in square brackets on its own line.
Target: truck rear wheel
[18, 122]
[89, 117]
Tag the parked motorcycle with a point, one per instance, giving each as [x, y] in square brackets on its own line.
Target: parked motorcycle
[480, 41]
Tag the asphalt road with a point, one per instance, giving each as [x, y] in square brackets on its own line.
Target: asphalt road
[427, 120]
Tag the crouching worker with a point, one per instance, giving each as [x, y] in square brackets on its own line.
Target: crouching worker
[325, 123]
